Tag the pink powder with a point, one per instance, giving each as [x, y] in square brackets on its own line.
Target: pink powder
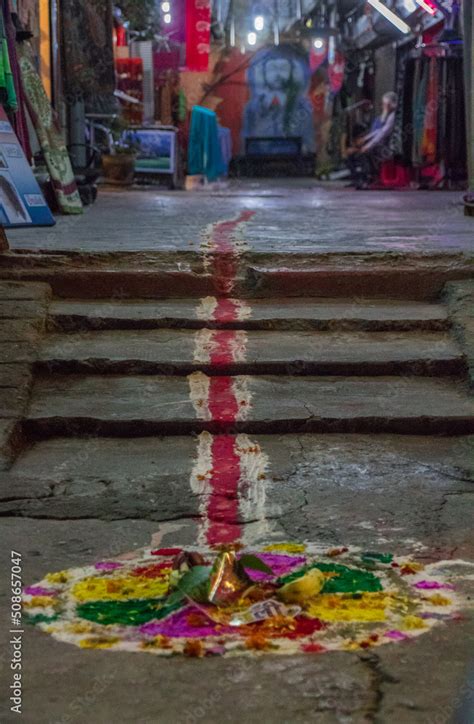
[280, 565]
[40, 591]
[107, 566]
[177, 626]
[395, 635]
[432, 585]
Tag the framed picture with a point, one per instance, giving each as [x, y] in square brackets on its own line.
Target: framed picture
[156, 150]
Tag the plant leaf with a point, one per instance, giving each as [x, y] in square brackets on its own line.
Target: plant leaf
[193, 585]
[254, 563]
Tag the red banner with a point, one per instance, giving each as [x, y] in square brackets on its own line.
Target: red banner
[317, 56]
[336, 73]
[198, 34]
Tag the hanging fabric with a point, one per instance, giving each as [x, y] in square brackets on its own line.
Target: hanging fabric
[428, 141]
[433, 108]
[204, 152]
[49, 135]
[8, 96]
[18, 118]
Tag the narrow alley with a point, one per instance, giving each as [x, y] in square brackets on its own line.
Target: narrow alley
[237, 361]
[302, 397]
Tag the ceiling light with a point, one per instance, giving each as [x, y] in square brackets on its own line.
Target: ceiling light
[167, 18]
[318, 43]
[259, 22]
[252, 38]
[427, 7]
[390, 15]
[166, 7]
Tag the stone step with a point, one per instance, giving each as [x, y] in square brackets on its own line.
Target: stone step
[145, 405]
[160, 275]
[389, 277]
[172, 351]
[281, 314]
[303, 480]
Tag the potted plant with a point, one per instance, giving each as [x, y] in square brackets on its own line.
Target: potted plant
[119, 165]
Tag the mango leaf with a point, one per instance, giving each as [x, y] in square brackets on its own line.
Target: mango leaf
[194, 584]
[254, 563]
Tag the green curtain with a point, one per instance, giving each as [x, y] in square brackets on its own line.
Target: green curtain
[7, 85]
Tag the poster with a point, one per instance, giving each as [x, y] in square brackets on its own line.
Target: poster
[21, 200]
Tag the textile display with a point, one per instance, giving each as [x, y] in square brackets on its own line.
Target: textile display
[49, 134]
[432, 114]
[18, 117]
[204, 151]
[7, 86]
[87, 32]
[225, 141]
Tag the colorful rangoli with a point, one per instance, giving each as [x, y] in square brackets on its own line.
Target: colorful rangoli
[281, 599]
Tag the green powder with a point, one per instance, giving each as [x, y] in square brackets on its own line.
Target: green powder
[41, 618]
[346, 580]
[370, 557]
[126, 613]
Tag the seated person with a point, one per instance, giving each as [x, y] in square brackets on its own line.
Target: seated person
[365, 157]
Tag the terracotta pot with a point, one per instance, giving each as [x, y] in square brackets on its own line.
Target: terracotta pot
[119, 168]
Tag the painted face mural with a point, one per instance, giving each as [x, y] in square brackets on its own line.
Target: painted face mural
[279, 107]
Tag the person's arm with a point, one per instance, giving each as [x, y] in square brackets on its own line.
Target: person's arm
[378, 136]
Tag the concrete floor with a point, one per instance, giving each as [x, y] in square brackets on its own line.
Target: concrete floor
[381, 454]
[297, 216]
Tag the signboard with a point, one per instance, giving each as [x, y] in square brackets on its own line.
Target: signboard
[21, 200]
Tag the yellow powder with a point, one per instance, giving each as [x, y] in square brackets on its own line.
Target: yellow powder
[286, 547]
[410, 622]
[40, 602]
[98, 643]
[119, 589]
[439, 600]
[59, 577]
[337, 607]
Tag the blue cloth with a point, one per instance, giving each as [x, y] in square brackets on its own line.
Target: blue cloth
[225, 140]
[204, 149]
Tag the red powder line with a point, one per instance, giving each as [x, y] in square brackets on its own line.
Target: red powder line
[222, 403]
[224, 267]
[223, 505]
[224, 255]
[221, 353]
[226, 310]
[222, 232]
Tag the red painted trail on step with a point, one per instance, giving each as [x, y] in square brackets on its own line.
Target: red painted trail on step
[223, 345]
[222, 510]
[226, 310]
[223, 504]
